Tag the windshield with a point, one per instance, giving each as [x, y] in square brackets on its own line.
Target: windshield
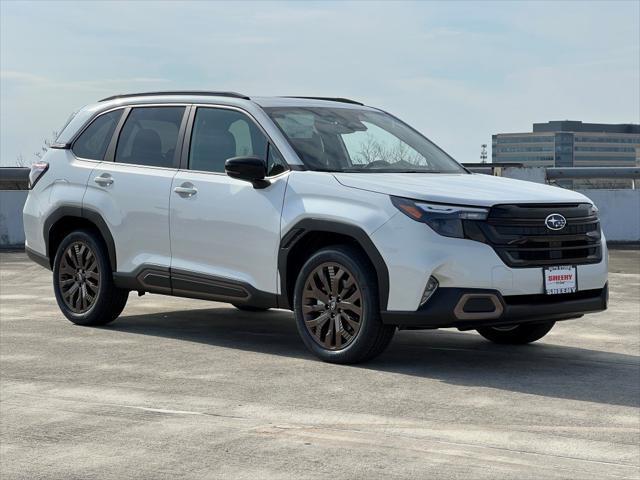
[352, 140]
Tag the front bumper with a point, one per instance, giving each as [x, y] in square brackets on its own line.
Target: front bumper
[448, 307]
[413, 252]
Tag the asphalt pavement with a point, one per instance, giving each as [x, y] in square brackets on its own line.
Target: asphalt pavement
[179, 388]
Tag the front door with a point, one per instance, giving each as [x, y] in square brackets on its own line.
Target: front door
[225, 233]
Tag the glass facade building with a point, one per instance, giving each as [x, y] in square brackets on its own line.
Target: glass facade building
[570, 144]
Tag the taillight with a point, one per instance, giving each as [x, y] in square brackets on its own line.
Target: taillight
[37, 170]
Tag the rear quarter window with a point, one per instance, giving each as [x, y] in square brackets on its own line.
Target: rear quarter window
[93, 142]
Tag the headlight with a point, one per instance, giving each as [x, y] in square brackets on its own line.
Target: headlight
[443, 219]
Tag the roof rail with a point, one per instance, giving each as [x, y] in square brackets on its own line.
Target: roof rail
[330, 99]
[177, 92]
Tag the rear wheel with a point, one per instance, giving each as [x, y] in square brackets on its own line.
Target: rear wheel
[516, 334]
[337, 309]
[83, 280]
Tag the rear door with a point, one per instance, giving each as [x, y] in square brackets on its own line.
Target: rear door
[130, 189]
[225, 233]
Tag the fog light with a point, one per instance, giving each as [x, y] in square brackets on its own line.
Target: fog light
[431, 287]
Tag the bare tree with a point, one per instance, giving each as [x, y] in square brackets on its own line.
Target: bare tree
[371, 150]
[46, 144]
[21, 161]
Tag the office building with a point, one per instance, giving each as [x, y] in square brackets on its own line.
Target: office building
[571, 143]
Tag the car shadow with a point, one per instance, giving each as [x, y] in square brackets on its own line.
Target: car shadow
[464, 359]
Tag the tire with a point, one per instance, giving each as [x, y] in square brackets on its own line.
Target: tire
[249, 308]
[82, 264]
[338, 329]
[517, 334]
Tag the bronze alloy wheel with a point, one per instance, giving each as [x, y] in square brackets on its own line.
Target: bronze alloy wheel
[79, 277]
[332, 306]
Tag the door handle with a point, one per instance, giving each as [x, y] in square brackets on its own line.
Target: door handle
[186, 190]
[104, 180]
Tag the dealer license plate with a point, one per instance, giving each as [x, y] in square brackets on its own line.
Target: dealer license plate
[560, 279]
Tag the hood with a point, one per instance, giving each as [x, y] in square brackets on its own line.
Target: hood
[460, 188]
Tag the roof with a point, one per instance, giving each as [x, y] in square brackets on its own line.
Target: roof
[578, 126]
[251, 104]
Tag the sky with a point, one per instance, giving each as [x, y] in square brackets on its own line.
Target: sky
[457, 71]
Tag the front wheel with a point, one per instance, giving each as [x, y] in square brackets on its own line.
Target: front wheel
[83, 280]
[337, 309]
[516, 334]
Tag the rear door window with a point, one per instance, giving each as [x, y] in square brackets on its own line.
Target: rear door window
[93, 142]
[150, 136]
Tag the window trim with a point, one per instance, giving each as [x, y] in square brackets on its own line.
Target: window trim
[110, 156]
[186, 145]
[88, 124]
[111, 149]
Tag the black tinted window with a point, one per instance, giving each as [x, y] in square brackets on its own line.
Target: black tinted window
[220, 134]
[275, 162]
[150, 136]
[93, 142]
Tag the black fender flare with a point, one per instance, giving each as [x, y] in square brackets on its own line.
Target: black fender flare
[307, 225]
[70, 211]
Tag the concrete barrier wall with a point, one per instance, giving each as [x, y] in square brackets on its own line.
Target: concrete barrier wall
[11, 226]
[619, 213]
[530, 174]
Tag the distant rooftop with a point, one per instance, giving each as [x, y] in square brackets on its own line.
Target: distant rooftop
[578, 126]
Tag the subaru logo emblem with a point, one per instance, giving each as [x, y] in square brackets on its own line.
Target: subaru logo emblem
[555, 221]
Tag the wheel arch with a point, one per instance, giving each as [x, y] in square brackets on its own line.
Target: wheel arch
[67, 218]
[308, 236]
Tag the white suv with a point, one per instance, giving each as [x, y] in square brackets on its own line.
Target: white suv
[335, 210]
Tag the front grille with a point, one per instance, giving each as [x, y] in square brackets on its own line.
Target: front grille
[520, 237]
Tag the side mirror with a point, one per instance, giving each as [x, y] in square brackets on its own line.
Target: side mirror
[250, 169]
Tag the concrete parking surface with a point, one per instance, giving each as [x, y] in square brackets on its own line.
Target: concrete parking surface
[180, 388]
